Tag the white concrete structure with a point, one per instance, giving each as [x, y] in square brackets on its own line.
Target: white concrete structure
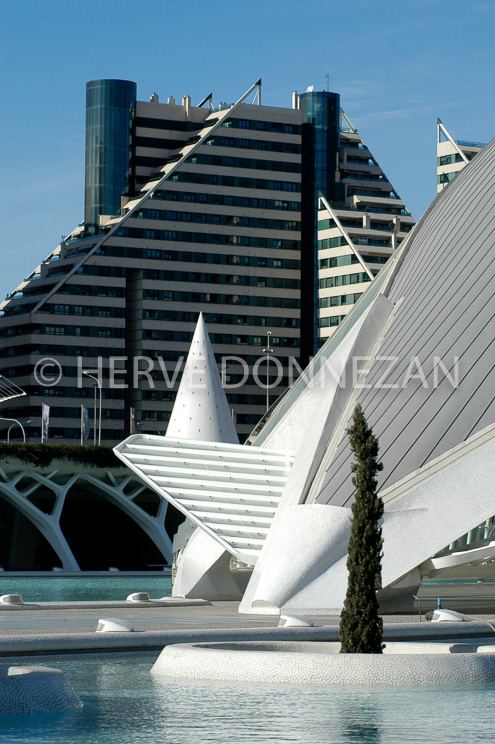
[41, 495]
[321, 664]
[35, 689]
[230, 491]
[114, 625]
[201, 410]
[11, 599]
[416, 351]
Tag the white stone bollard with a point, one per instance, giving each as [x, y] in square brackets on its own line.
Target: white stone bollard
[11, 599]
[138, 597]
[113, 625]
[294, 621]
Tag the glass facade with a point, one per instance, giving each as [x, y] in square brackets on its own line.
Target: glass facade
[109, 109]
[321, 133]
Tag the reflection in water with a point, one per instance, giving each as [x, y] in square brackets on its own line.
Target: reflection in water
[360, 718]
[124, 704]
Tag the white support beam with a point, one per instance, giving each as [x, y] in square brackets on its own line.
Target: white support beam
[345, 234]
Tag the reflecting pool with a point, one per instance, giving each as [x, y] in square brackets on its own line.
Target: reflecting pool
[124, 704]
[84, 588]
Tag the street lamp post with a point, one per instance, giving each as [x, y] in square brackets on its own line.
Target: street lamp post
[268, 350]
[98, 383]
[18, 423]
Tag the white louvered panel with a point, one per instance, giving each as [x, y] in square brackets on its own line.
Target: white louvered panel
[229, 490]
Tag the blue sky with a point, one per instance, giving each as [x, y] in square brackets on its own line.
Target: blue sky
[398, 64]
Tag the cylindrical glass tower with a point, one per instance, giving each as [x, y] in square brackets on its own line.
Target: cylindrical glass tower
[109, 109]
[320, 146]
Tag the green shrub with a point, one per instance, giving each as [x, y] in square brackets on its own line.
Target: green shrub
[43, 454]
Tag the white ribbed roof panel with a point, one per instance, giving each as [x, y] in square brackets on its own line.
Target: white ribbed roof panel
[229, 490]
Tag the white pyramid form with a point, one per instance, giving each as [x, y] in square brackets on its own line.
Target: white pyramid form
[201, 410]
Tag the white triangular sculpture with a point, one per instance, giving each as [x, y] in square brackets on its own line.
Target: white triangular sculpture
[201, 410]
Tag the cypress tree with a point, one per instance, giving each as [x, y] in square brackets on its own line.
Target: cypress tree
[360, 625]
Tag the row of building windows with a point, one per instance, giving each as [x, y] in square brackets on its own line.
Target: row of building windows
[221, 258]
[208, 278]
[340, 281]
[92, 290]
[68, 412]
[169, 316]
[161, 143]
[371, 258]
[151, 390]
[183, 316]
[68, 434]
[60, 350]
[268, 126]
[449, 159]
[347, 299]
[173, 124]
[115, 272]
[219, 338]
[160, 274]
[141, 142]
[229, 161]
[91, 331]
[446, 177]
[216, 219]
[331, 243]
[227, 299]
[213, 179]
[243, 340]
[246, 202]
[358, 223]
[245, 143]
[137, 233]
[385, 243]
[333, 320]
[363, 176]
[86, 310]
[332, 263]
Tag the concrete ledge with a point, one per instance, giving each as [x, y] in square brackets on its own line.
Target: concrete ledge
[74, 642]
[319, 663]
[49, 643]
[35, 689]
[103, 605]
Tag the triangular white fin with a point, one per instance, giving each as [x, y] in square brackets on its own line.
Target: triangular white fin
[201, 410]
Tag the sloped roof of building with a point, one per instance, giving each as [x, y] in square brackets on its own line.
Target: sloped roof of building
[443, 295]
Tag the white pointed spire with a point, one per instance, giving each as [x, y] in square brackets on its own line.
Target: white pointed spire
[201, 410]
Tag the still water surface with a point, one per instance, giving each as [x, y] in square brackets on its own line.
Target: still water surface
[84, 588]
[124, 704]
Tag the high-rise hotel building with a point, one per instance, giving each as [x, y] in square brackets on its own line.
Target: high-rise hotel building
[358, 230]
[188, 209]
[452, 155]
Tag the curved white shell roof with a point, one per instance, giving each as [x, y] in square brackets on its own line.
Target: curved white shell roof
[444, 309]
